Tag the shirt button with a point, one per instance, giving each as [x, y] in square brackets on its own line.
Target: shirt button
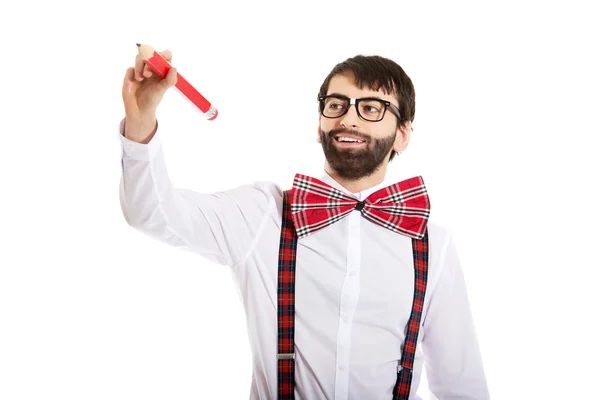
[352, 273]
[345, 319]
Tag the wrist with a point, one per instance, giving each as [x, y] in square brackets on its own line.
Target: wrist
[140, 130]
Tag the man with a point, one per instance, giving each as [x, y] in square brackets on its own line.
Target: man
[348, 289]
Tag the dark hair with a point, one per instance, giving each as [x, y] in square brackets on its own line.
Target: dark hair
[375, 73]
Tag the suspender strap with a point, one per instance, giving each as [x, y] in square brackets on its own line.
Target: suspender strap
[420, 261]
[285, 310]
[285, 304]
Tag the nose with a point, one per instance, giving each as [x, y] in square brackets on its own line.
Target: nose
[351, 118]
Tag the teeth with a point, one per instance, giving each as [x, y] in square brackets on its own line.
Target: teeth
[345, 139]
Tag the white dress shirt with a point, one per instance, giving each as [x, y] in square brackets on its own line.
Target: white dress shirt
[354, 286]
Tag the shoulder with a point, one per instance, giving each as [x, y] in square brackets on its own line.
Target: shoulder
[264, 197]
[256, 192]
[439, 235]
[441, 247]
[255, 198]
[266, 190]
[444, 259]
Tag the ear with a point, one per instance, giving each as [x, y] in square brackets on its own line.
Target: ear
[402, 136]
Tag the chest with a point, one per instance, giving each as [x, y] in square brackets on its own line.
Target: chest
[367, 273]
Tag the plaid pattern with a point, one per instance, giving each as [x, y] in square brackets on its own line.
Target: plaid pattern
[285, 293]
[420, 261]
[402, 207]
[285, 304]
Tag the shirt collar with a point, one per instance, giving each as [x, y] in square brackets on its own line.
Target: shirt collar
[359, 195]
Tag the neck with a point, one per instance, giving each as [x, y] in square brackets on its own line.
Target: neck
[358, 185]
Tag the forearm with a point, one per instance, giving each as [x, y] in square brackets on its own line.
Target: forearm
[149, 201]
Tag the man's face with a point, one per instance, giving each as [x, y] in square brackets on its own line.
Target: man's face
[349, 159]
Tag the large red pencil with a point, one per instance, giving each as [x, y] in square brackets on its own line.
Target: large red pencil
[160, 66]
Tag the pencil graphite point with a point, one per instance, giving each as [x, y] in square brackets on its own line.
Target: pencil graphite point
[138, 45]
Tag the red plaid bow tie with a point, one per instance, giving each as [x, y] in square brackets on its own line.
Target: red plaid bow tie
[402, 207]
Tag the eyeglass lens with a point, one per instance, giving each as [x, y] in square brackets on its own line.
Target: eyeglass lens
[369, 109]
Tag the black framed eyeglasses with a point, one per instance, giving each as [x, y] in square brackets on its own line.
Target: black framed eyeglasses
[370, 109]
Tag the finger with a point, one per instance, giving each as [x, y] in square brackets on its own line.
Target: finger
[147, 73]
[139, 67]
[170, 78]
[167, 55]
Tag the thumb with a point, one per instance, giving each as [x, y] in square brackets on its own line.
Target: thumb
[170, 79]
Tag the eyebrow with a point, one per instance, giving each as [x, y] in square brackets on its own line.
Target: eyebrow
[366, 97]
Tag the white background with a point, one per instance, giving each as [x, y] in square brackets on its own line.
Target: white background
[505, 137]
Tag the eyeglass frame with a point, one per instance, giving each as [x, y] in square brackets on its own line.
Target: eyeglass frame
[354, 101]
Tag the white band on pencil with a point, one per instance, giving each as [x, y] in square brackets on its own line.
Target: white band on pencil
[211, 112]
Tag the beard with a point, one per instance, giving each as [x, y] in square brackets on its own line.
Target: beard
[353, 164]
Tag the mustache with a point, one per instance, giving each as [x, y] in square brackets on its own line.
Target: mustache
[358, 134]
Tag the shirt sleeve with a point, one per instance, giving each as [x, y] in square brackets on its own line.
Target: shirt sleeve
[453, 361]
[221, 226]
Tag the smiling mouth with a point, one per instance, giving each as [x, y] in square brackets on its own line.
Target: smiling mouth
[348, 140]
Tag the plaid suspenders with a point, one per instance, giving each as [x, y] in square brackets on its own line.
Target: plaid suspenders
[285, 304]
[285, 310]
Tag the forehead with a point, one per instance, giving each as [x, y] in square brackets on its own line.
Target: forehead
[344, 84]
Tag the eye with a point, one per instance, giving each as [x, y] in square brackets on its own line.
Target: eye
[335, 104]
[371, 107]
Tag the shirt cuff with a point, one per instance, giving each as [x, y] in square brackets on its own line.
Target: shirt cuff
[138, 151]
